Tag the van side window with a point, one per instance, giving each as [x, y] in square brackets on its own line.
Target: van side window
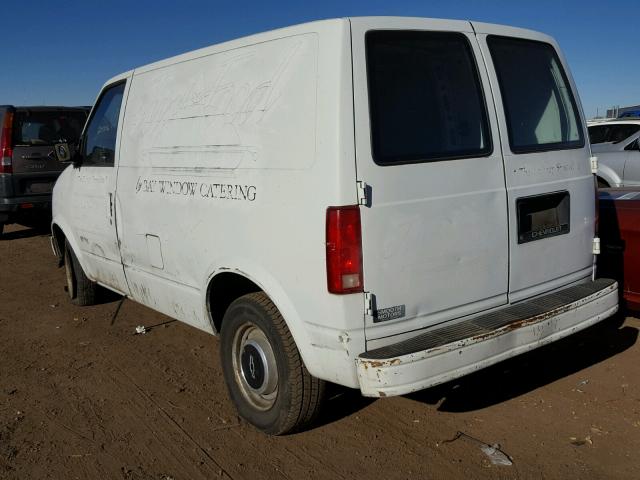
[425, 98]
[539, 106]
[100, 138]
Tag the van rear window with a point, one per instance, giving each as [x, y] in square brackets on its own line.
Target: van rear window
[47, 127]
[539, 106]
[425, 99]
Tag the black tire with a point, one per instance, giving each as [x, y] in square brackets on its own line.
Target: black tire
[602, 183]
[1, 229]
[81, 290]
[298, 396]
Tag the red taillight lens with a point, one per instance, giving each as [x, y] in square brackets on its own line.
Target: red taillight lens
[6, 144]
[344, 250]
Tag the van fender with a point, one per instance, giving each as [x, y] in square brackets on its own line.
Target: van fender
[609, 175]
[274, 290]
[71, 239]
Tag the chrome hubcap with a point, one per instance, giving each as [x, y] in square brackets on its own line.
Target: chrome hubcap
[254, 364]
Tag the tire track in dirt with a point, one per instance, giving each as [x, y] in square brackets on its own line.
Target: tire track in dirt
[230, 434]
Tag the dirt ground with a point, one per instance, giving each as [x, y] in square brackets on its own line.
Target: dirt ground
[82, 397]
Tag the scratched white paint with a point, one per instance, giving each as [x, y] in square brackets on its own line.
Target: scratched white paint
[252, 107]
[224, 152]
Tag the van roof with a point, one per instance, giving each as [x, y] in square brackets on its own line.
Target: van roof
[465, 25]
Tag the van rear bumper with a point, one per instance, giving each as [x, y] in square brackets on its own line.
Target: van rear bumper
[449, 352]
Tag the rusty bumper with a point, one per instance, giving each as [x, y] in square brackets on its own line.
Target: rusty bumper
[449, 352]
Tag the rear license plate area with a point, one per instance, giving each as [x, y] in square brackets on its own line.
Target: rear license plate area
[543, 216]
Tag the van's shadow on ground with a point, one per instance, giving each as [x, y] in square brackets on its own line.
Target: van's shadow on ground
[532, 370]
[508, 379]
[107, 296]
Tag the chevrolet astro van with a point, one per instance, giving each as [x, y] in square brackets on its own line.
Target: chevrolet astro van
[382, 203]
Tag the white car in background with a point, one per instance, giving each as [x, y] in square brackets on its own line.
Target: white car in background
[616, 144]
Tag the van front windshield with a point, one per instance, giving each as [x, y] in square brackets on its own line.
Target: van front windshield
[539, 106]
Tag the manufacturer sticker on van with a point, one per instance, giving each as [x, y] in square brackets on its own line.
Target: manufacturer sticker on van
[390, 313]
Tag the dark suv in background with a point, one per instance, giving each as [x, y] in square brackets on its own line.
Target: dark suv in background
[28, 164]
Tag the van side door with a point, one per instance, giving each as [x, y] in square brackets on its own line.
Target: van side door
[93, 191]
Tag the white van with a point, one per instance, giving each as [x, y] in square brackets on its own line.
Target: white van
[382, 203]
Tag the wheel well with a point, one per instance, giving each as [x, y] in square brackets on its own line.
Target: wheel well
[58, 242]
[223, 289]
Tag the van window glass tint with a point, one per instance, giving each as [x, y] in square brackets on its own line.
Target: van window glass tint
[42, 127]
[611, 133]
[539, 105]
[100, 141]
[425, 98]
[597, 134]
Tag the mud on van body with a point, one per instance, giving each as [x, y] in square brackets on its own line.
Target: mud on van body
[383, 203]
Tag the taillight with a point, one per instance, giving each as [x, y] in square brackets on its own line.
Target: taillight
[6, 144]
[344, 250]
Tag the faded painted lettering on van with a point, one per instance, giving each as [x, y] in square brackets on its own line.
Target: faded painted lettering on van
[235, 109]
[187, 188]
[216, 95]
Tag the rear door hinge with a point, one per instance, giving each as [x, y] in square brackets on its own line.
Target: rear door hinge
[594, 164]
[362, 193]
[596, 246]
[368, 304]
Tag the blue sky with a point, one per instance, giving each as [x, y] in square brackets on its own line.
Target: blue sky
[61, 52]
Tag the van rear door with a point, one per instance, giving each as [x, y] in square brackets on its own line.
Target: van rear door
[434, 231]
[550, 187]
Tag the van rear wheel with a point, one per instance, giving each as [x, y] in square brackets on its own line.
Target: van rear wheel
[263, 370]
[81, 290]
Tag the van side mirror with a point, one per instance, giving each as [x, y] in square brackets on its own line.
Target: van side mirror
[67, 153]
[63, 153]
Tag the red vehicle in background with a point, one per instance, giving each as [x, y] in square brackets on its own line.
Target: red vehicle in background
[619, 233]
